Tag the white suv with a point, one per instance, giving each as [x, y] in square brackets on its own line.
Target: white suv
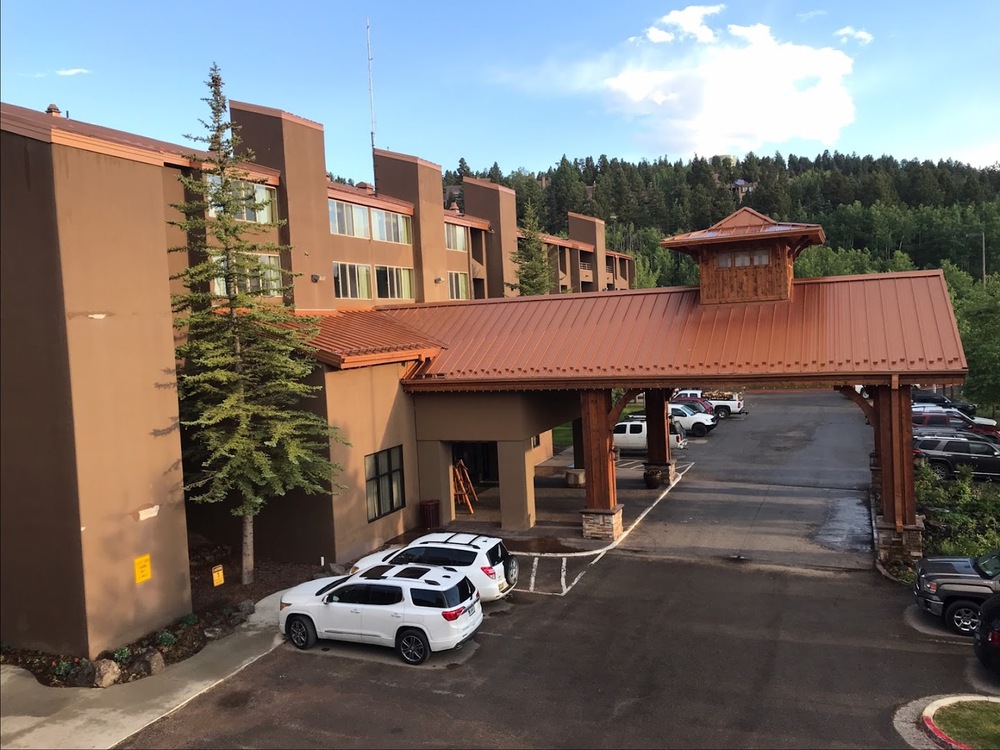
[414, 609]
[484, 559]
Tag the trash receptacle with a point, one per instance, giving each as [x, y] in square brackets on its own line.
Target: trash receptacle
[430, 514]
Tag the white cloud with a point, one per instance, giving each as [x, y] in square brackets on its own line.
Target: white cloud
[71, 71]
[658, 36]
[810, 14]
[691, 21]
[849, 32]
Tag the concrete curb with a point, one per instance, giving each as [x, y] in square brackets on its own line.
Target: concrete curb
[935, 732]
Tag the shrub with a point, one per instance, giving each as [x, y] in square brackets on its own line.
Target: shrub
[62, 668]
[122, 655]
[165, 639]
[190, 619]
[961, 517]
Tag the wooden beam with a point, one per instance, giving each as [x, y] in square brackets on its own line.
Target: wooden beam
[615, 414]
[657, 430]
[598, 449]
[868, 409]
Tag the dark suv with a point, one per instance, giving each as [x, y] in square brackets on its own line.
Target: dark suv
[920, 396]
[953, 588]
[945, 453]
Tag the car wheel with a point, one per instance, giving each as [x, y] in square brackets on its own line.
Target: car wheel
[699, 430]
[962, 616]
[942, 470]
[722, 412]
[511, 569]
[412, 646]
[301, 632]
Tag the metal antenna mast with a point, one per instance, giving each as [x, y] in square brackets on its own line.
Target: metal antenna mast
[371, 96]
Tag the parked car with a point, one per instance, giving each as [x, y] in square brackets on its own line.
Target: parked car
[986, 636]
[931, 430]
[699, 404]
[414, 609]
[934, 408]
[484, 559]
[921, 396]
[955, 420]
[945, 453]
[724, 403]
[953, 588]
[697, 423]
[630, 435]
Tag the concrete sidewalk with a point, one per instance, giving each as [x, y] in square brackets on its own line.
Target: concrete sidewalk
[35, 716]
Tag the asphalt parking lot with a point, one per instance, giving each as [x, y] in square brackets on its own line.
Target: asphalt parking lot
[739, 613]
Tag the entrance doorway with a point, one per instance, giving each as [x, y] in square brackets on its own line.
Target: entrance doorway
[481, 461]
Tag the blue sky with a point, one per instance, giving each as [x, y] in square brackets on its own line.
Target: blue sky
[523, 83]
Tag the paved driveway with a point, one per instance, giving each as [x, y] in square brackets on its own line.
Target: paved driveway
[786, 484]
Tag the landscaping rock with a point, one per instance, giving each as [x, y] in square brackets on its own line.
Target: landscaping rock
[147, 663]
[106, 673]
[217, 632]
[336, 569]
[82, 676]
[247, 607]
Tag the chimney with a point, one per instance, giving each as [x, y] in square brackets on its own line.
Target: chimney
[53, 110]
[454, 207]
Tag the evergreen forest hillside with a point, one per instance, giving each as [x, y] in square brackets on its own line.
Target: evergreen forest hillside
[879, 214]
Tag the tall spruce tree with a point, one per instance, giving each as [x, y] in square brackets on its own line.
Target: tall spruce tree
[249, 437]
[534, 272]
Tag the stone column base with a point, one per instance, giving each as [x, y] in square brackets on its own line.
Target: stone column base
[599, 523]
[906, 546]
[668, 470]
[576, 478]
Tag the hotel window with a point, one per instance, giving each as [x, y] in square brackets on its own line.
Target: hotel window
[394, 283]
[256, 202]
[741, 259]
[384, 482]
[352, 281]
[458, 285]
[456, 237]
[348, 219]
[390, 227]
[761, 257]
[262, 278]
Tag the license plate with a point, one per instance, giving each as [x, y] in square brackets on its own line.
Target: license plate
[471, 610]
[503, 586]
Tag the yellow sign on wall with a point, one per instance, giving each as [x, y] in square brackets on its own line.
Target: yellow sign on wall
[143, 569]
[217, 578]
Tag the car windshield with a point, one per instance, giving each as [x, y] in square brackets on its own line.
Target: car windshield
[989, 564]
[687, 410]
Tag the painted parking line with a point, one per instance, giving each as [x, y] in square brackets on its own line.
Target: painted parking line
[556, 573]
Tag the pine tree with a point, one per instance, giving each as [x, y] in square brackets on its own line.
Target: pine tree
[249, 437]
[534, 272]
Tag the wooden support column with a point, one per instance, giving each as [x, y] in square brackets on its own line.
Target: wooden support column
[599, 459]
[602, 516]
[899, 533]
[657, 445]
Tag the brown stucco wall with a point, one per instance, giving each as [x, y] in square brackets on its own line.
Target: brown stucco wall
[481, 417]
[373, 414]
[41, 567]
[418, 182]
[497, 204]
[120, 351]
[297, 149]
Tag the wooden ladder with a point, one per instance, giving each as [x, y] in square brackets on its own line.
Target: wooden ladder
[464, 491]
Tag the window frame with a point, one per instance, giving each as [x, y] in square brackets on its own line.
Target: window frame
[451, 233]
[384, 475]
[391, 226]
[351, 214]
[458, 282]
[395, 282]
[354, 280]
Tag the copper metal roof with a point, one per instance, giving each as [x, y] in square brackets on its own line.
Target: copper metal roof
[358, 338]
[838, 330]
[747, 225]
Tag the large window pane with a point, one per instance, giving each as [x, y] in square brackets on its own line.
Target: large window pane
[384, 485]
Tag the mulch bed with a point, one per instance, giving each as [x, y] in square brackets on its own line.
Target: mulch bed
[212, 606]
